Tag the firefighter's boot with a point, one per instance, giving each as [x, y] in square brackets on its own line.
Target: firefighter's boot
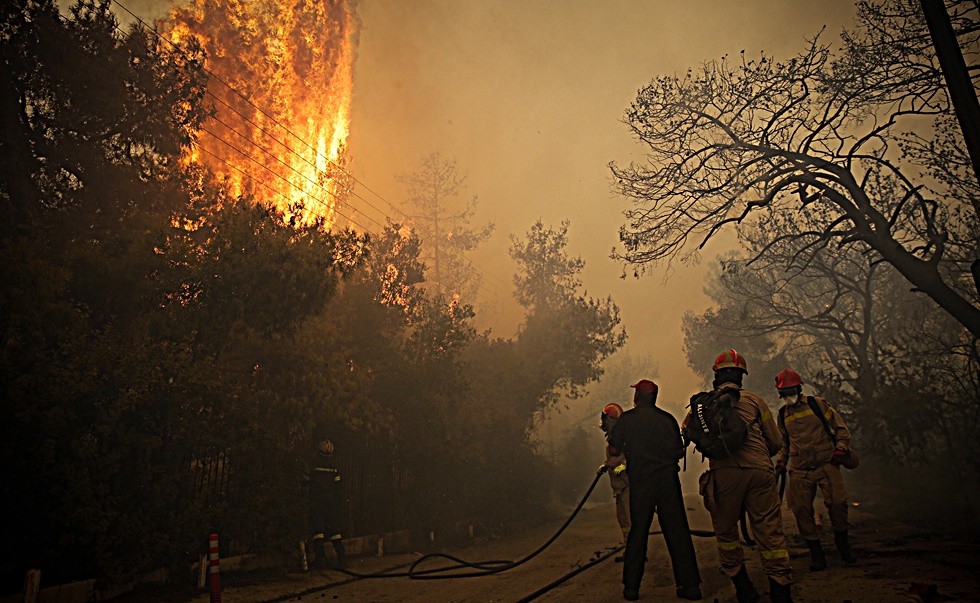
[779, 593]
[745, 591]
[844, 547]
[818, 561]
[319, 554]
[338, 547]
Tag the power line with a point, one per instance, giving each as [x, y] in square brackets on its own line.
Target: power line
[238, 150]
[301, 140]
[138, 87]
[271, 118]
[271, 154]
[349, 190]
[271, 171]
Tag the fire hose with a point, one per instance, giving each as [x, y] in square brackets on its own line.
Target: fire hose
[486, 568]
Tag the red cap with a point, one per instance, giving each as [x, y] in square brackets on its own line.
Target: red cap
[645, 386]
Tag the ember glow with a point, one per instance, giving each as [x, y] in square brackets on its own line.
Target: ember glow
[286, 145]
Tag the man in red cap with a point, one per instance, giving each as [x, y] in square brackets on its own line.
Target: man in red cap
[651, 441]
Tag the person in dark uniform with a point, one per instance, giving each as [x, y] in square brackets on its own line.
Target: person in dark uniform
[651, 440]
[325, 493]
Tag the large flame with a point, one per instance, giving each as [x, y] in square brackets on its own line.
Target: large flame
[293, 61]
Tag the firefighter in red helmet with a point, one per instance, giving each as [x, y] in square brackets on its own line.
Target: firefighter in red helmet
[615, 466]
[816, 442]
[745, 481]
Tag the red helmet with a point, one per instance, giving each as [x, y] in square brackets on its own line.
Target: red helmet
[730, 359]
[788, 378]
[612, 410]
[325, 447]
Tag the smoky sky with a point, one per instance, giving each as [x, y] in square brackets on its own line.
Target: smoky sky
[528, 97]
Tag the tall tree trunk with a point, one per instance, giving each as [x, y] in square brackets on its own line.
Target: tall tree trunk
[17, 163]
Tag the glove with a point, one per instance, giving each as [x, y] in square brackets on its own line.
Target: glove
[839, 456]
[619, 469]
[602, 469]
[780, 468]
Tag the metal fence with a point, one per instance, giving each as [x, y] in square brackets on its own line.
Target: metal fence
[375, 486]
[374, 493]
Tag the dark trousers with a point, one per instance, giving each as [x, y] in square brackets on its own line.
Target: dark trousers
[659, 493]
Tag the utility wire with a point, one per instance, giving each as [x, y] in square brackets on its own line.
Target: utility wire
[301, 157]
[252, 159]
[298, 173]
[301, 140]
[271, 171]
[247, 139]
[122, 78]
[125, 80]
[263, 112]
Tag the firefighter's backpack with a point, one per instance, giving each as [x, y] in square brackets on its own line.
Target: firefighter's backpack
[715, 426]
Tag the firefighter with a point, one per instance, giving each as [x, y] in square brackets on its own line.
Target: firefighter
[650, 440]
[745, 481]
[616, 467]
[814, 447]
[325, 493]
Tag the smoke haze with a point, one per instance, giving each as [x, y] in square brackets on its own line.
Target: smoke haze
[528, 98]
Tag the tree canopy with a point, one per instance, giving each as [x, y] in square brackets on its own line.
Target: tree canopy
[820, 136]
[169, 350]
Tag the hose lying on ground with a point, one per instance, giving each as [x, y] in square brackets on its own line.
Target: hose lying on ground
[485, 568]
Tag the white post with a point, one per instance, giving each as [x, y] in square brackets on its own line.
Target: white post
[32, 584]
[202, 571]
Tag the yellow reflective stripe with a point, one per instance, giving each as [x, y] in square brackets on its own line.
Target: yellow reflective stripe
[336, 479]
[317, 537]
[766, 416]
[775, 554]
[325, 469]
[829, 413]
[729, 546]
[799, 415]
[335, 537]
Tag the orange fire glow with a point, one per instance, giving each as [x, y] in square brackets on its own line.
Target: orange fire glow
[284, 146]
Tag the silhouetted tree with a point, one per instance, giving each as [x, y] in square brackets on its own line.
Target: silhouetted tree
[807, 136]
[446, 233]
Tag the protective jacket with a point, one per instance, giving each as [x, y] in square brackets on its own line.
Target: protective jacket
[764, 438]
[619, 482]
[621, 489]
[806, 444]
[325, 495]
[745, 483]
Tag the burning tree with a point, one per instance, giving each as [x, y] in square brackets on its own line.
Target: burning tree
[282, 78]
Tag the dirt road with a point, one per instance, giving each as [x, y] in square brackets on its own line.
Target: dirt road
[892, 557]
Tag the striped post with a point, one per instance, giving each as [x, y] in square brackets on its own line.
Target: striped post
[213, 569]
